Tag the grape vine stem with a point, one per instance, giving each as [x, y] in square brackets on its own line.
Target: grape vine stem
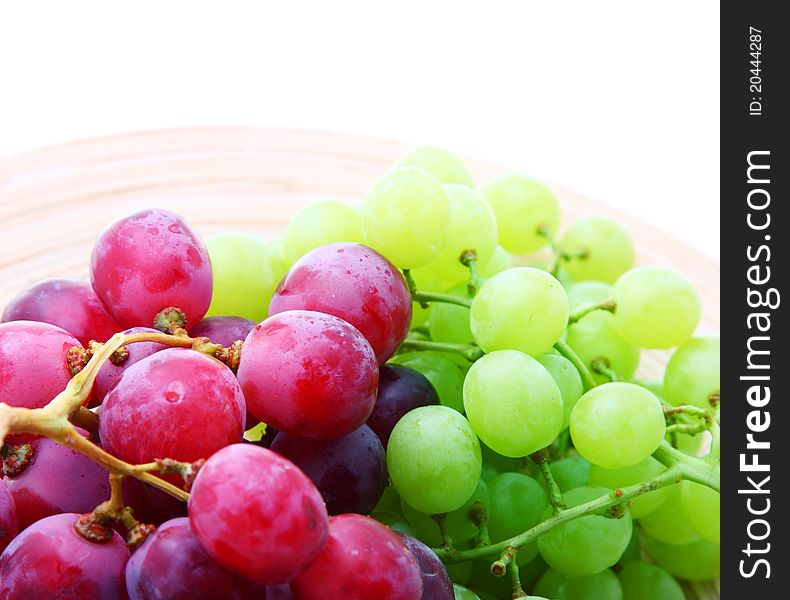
[584, 310]
[587, 379]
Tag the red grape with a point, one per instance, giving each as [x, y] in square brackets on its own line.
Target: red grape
[69, 303]
[149, 261]
[51, 560]
[362, 559]
[33, 366]
[257, 514]
[56, 480]
[355, 283]
[9, 526]
[436, 583]
[400, 390]
[110, 373]
[223, 330]
[279, 592]
[309, 374]
[350, 472]
[176, 403]
[172, 565]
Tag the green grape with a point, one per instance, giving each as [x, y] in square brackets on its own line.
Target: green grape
[246, 273]
[389, 502]
[702, 508]
[460, 572]
[669, 523]
[570, 472]
[433, 459]
[516, 504]
[512, 403]
[405, 216]
[643, 505]
[641, 581]
[522, 308]
[568, 380]
[607, 250]
[600, 586]
[531, 572]
[586, 545]
[459, 526]
[657, 387]
[697, 561]
[656, 307]
[472, 226]
[394, 522]
[588, 292]
[499, 262]
[443, 165]
[450, 322]
[497, 462]
[484, 582]
[419, 315]
[692, 374]
[319, 223]
[462, 593]
[617, 425]
[689, 444]
[522, 206]
[633, 551]
[594, 336]
[445, 375]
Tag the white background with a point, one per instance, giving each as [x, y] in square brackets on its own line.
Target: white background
[619, 100]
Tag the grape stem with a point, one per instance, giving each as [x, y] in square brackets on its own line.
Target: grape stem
[478, 514]
[587, 379]
[559, 253]
[424, 298]
[469, 260]
[541, 459]
[579, 313]
[469, 351]
[600, 365]
[441, 521]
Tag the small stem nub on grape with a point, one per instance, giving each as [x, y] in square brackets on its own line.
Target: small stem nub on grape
[714, 398]
[170, 320]
[76, 359]
[16, 458]
[600, 365]
[447, 541]
[188, 471]
[120, 356]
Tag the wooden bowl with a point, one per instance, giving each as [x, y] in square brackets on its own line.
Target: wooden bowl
[55, 201]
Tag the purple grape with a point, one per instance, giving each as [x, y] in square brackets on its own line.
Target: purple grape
[51, 560]
[151, 505]
[350, 472]
[280, 592]
[110, 373]
[172, 565]
[57, 480]
[436, 583]
[223, 330]
[400, 390]
[9, 526]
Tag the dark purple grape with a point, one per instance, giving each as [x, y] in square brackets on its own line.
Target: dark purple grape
[436, 583]
[172, 565]
[56, 480]
[9, 526]
[400, 390]
[350, 472]
[280, 592]
[51, 560]
[223, 330]
[110, 373]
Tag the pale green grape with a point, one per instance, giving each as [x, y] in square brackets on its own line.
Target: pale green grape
[617, 425]
[593, 336]
[586, 545]
[462, 593]
[450, 322]
[588, 292]
[692, 374]
[433, 459]
[389, 502]
[319, 223]
[446, 376]
[600, 586]
[641, 581]
[522, 309]
[668, 523]
[702, 509]
[607, 250]
[657, 387]
[570, 472]
[472, 226]
[512, 403]
[497, 462]
[443, 165]
[517, 503]
[246, 273]
[690, 444]
[568, 380]
[500, 261]
[405, 217]
[522, 206]
[619, 478]
[459, 526]
[633, 551]
[697, 561]
[656, 307]
[460, 572]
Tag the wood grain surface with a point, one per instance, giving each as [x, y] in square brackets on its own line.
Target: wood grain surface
[55, 201]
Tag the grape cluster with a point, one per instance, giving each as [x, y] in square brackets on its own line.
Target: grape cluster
[380, 405]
